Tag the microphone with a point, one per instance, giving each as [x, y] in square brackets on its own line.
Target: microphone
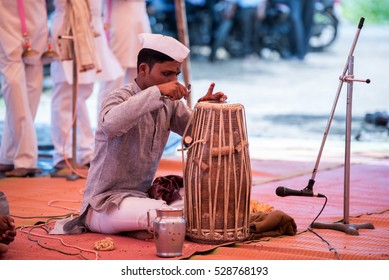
[282, 191]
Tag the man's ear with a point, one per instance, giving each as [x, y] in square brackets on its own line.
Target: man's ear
[143, 69]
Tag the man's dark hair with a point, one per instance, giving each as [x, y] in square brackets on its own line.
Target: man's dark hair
[150, 57]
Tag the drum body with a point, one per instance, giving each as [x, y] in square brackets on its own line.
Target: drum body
[217, 174]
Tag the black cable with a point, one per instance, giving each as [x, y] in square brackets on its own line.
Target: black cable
[330, 248]
[324, 205]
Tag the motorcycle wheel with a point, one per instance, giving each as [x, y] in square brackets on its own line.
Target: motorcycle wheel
[324, 31]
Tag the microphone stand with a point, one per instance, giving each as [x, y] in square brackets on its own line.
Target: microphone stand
[345, 226]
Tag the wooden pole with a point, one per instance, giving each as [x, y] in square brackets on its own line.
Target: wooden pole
[74, 109]
[183, 37]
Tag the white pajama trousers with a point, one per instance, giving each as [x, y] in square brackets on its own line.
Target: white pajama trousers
[131, 215]
[61, 123]
[22, 88]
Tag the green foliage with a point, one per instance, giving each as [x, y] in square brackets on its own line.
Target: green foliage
[375, 11]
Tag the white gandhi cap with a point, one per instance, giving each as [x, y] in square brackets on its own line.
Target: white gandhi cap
[164, 44]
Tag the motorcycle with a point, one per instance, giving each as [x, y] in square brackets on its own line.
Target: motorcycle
[325, 25]
[272, 34]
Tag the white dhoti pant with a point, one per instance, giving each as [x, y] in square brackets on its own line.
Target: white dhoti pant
[61, 123]
[22, 88]
[130, 216]
[21, 80]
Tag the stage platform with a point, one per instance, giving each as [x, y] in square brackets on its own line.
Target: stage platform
[43, 199]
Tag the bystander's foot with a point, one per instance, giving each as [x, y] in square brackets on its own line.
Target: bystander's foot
[6, 167]
[23, 172]
[66, 164]
[63, 164]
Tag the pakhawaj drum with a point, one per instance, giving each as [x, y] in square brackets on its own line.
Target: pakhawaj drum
[217, 174]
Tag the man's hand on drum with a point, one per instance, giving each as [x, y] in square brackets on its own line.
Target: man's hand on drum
[215, 97]
[174, 90]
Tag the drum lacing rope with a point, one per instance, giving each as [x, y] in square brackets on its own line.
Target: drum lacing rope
[203, 141]
[209, 117]
[183, 149]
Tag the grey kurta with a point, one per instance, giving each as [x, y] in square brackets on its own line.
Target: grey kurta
[133, 129]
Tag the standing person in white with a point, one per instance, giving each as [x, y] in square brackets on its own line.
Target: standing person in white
[21, 83]
[124, 20]
[61, 104]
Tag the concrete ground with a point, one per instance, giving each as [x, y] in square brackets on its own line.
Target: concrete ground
[287, 103]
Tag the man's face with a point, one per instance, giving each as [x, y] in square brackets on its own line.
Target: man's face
[160, 73]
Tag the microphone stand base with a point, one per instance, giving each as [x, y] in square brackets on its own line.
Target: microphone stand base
[350, 229]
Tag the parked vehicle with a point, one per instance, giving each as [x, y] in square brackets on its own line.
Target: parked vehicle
[272, 35]
[325, 25]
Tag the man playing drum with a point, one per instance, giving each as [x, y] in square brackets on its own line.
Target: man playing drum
[133, 129]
